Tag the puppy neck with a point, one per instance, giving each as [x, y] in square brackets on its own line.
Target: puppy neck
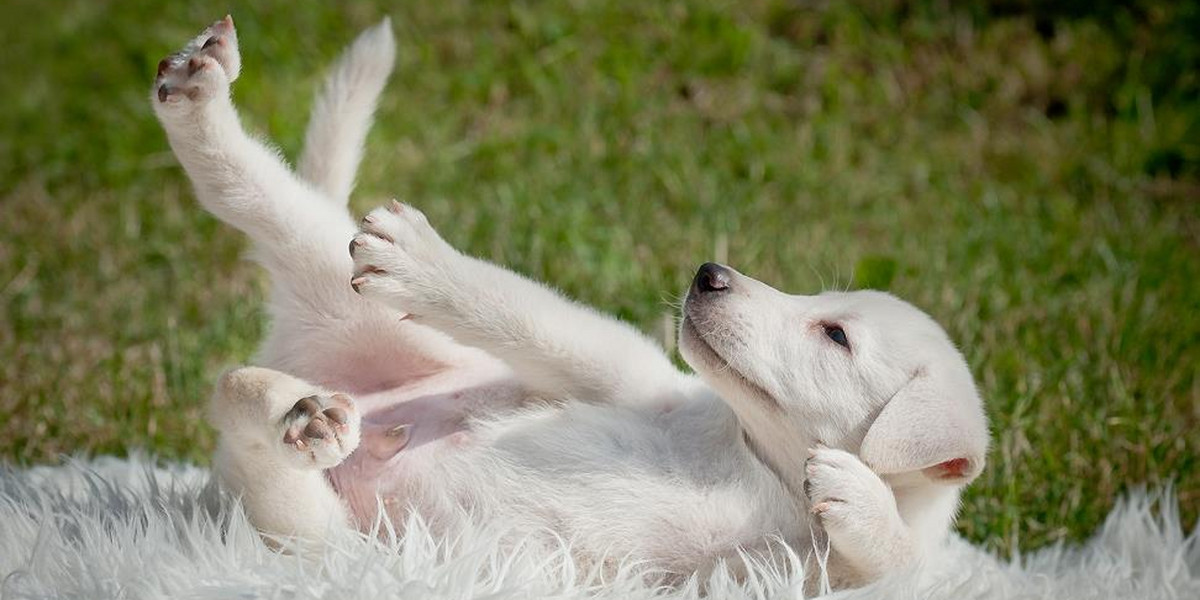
[790, 475]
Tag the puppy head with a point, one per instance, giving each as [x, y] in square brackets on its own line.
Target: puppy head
[862, 371]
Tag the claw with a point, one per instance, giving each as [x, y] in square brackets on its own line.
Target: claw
[368, 227]
[399, 432]
[225, 24]
[356, 282]
[395, 207]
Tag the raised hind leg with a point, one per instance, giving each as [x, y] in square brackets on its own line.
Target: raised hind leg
[238, 178]
[321, 330]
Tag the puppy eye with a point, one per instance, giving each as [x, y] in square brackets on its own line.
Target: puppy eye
[837, 334]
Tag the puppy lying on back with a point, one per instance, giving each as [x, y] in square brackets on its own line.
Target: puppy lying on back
[405, 371]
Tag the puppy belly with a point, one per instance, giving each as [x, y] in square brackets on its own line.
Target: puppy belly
[407, 431]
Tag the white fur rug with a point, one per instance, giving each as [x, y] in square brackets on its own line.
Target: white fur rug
[112, 528]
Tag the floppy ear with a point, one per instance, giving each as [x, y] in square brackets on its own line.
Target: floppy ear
[933, 424]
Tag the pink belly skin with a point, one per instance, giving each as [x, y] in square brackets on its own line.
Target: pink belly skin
[406, 429]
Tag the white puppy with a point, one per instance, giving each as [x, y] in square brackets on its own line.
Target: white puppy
[444, 384]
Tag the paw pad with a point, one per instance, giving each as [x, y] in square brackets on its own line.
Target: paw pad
[312, 421]
[321, 430]
[185, 74]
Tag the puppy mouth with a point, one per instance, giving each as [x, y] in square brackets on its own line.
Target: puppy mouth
[711, 357]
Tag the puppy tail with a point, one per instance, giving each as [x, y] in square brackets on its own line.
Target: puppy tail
[342, 114]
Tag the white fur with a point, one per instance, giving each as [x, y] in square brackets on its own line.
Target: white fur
[126, 528]
[341, 116]
[554, 417]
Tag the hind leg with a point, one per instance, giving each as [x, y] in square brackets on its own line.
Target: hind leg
[299, 235]
[238, 178]
[277, 434]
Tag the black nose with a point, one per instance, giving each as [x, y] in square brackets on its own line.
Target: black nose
[711, 278]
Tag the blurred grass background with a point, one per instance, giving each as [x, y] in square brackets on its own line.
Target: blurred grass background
[1026, 171]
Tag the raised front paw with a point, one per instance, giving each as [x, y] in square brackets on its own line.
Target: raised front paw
[202, 70]
[321, 431]
[850, 500]
[400, 259]
[859, 514]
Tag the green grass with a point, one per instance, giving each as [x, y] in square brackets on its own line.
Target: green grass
[1036, 193]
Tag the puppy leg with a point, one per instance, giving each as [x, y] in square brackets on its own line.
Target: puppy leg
[299, 235]
[555, 346]
[859, 513]
[239, 179]
[276, 436]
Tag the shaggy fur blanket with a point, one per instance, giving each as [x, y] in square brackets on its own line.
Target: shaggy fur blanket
[115, 528]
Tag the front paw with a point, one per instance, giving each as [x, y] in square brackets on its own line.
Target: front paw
[853, 504]
[400, 259]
